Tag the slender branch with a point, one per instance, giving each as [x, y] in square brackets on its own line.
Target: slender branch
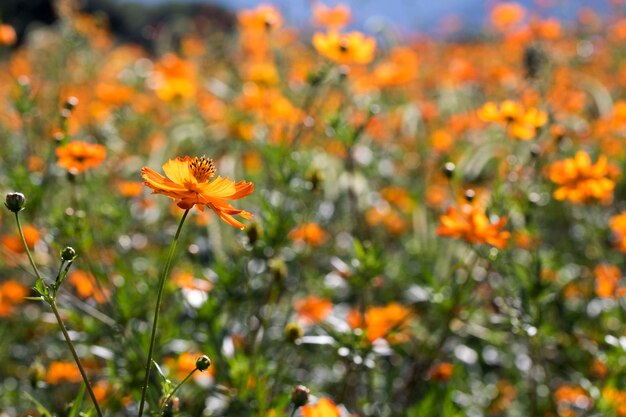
[169, 397]
[53, 305]
[52, 302]
[155, 321]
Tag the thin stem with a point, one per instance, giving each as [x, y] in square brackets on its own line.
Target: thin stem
[51, 301]
[169, 397]
[30, 257]
[293, 412]
[155, 321]
[53, 305]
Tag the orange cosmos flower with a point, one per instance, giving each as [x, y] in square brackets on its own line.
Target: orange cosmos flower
[506, 15]
[441, 372]
[580, 181]
[618, 227]
[263, 17]
[472, 225]
[331, 17]
[310, 233]
[12, 293]
[62, 371]
[349, 48]
[188, 182]
[86, 286]
[323, 408]
[7, 35]
[381, 322]
[313, 309]
[79, 156]
[521, 124]
[608, 278]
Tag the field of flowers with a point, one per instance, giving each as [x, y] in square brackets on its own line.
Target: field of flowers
[276, 223]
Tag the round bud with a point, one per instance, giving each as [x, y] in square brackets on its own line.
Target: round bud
[535, 151]
[293, 332]
[254, 232]
[278, 268]
[68, 254]
[15, 202]
[470, 195]
[300, 396]
[203, 363]
[448, 169]
[70, 103]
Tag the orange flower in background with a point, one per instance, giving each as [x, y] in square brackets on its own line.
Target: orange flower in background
[62, 372]
[506, 15]
[7, 35]
[569, 398]
[349, 48]
[580, 181]
[14, 242]
[521, 123]
[12, 293]
[188, 182]
[400, 67]
[331, 17]
[86, 286]
[77, 157]
[309, 233]
[130, 188]
[313, 309]
[441, 372]
[382, 322]
[185, 363]
[608, 278]
[472, 225]
[262, 18]
[618, 227]
[323, 408]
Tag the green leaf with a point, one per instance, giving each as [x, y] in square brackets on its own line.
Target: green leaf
[40, 408]
[78, 402]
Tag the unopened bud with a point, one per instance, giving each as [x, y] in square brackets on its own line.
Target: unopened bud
[300, 396]
[470, 195]
[293, 332]
[448, 169]
[315, 177]
[254, 232]
[278, 268]
[15, 202]
[68, 254]
[203, 363]
[70, 103]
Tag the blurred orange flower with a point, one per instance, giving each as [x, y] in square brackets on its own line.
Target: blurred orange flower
[323, 408]
[86, 286]
[580, 181]
[263, 17]
[12, 293]
[7, 35]
[188, 182]
[441, 372]
[309, 233]
[380, 322]
[618, 227]
[331, 17]
[62, 371]
[521, 124]
[313, 309]
[77, 157]
[472, 225]
[349, 48]
[507, 14]
[608, 278]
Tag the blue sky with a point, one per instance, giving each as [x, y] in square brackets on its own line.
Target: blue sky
[410, 15]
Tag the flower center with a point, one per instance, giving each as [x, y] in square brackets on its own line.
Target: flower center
[343, 46]
[202, 168]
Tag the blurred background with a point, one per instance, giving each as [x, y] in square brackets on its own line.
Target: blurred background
[135, 20]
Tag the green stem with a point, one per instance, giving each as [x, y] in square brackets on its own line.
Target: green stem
[166, 269]
[293, 412]
[30, 257]
[53, 305]
[169, 397]
[51, 301]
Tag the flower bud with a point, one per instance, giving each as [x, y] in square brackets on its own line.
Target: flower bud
[254, 232]
[293, 332]
[15, 202]
[315, 177]
[448, 169]
[278, 268]
[68, 254]
[70, 103]
[203, 363]
[470, 195]
[300, 396]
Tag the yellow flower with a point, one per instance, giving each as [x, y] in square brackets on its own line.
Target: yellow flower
[349, 48]
[521, 124]
[188, 182]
